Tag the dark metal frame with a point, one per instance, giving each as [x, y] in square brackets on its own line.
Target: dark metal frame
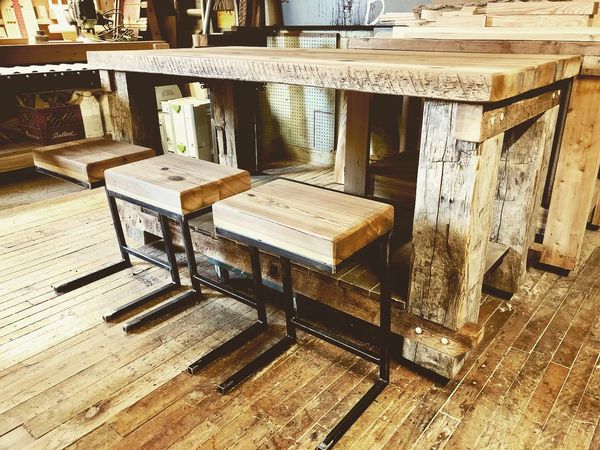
[85, 184]
[125, 262]
[293, 323]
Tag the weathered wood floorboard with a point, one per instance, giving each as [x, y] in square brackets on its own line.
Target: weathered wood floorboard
[67, 380]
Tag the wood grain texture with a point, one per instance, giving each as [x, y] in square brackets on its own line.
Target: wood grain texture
[356, 140]
[177, 183]
[87, 159]
[470, 44]
[582, 34]
[574, 183]
[234, 106]
[543, 7]
[442, 75]
[523, 168]
[132, 106]
[476, 123]
[314, 223]
[59, 52]
[453, 213]
[452, 222]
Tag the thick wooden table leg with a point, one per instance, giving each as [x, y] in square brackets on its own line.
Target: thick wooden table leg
[234, 108]
[357, 140]
[575, 178]
[452, 225]
[132, 103]
[523, 169]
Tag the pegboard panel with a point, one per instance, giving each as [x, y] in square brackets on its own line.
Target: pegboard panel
[296, 115]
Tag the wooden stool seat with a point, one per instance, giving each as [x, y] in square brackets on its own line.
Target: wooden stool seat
[85, 161]
[177, 184]
[308, 222]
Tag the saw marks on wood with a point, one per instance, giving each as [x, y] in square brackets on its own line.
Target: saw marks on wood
[450, 76]
[69, 380]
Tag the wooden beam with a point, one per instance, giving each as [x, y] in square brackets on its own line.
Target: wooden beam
[234, 107]
[538, 8]
[448, 76]
[356, 158]
[470, 44]
[477, 122]
[132, 103]
[452, 225]
[576, 172]
[523, 168]
[62, 52]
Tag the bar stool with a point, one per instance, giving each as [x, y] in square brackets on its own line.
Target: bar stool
[172, 187]
[321, 229]
[84, 161]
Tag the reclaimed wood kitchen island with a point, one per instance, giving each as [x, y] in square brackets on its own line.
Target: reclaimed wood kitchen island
[488, 125]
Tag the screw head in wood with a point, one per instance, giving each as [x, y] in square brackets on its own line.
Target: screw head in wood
[444, 341]
[418, 330]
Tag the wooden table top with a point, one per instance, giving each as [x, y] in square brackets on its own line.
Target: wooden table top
[177, 183]
[313, 223]
[451, 76]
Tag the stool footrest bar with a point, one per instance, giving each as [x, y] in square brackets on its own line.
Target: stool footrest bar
[236, 295]
[337, 341]
[127, 307]
[158, 311]
[149, 259]
[227, 347]
[92, 276]
[352, 415]
[260, 362]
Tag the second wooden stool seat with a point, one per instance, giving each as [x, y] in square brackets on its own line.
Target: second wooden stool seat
[84, 161]
[320, 228]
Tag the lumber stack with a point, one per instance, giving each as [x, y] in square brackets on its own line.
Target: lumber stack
[536, 20]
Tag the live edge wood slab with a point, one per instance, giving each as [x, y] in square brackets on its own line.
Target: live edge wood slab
[462, 195]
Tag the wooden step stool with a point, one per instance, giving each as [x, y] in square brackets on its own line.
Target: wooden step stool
[317, 228]
[173, 187]
[83, 162]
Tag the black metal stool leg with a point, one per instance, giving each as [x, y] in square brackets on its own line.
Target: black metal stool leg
[385, 312]
[281, 346]
[189, 254]
[106, 270]
[175, 302]
[249, 333]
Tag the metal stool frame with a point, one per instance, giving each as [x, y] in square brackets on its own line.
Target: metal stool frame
[293, 322]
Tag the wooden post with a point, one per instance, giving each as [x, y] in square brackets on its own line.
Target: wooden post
[132, 103]
[452, 224]
[575, 180]
[234, 109]
[356, 137]
[523, 169]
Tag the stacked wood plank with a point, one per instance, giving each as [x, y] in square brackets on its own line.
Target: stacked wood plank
[566, 20]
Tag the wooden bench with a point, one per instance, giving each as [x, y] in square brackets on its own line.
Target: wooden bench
[323, 229]
[84, 161]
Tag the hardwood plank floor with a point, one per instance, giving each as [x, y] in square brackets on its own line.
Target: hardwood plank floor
[68, 380]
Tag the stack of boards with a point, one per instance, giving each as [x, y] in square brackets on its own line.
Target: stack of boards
[533, 20]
